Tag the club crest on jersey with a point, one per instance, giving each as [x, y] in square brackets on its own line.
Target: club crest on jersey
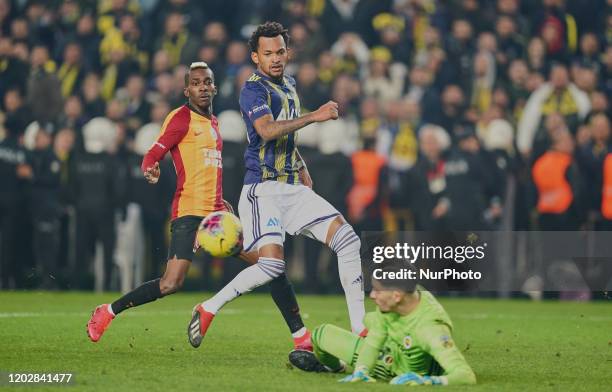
[447, 342]
[388, 359]
[407, 342]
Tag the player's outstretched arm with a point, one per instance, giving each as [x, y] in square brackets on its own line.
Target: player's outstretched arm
[269, 129]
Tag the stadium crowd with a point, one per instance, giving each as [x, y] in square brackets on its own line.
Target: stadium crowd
[462, 115]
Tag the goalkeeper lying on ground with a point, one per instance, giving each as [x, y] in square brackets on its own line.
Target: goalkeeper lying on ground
[409, 342]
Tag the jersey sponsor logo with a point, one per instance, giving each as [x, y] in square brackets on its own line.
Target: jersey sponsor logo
[273, 222]
[254, 78]
[212, 157]
[198, 131]
[407, 342]
[258, 109]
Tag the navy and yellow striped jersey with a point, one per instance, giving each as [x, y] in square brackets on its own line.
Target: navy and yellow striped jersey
[275, 160]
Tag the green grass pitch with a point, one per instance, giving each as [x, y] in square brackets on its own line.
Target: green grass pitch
[511, 345]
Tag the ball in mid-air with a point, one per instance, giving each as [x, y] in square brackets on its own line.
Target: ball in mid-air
[220, 234]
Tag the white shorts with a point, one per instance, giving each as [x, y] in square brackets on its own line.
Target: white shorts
[270, 209]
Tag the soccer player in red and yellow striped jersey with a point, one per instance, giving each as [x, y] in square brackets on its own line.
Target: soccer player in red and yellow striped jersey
[191, 134]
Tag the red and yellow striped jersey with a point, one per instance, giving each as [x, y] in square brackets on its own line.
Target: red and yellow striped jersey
[195, 144]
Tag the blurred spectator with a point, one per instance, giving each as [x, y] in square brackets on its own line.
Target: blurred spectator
[341, 16]
[6, 15]
[304, 44]
[14, 72]
[368, 196]
[71, 72]
[16, 113]
[510, 9]
[424, 186]
[72, 115]
[518, 75]
[391, 33]
[401, 146]
[133, 97]
[13, 169]
[235, 59]
[403, 124]
[450, 112]
[590, 157]
[215, 35]
[536, 56]
[460, 49]
[45, 207]
[89, 41]
[557, 183]
[118, 66]
[510, 44]
[44, 92]
[385, 81]
[313, 93]
[94, 193]
[93, 104]
[558, 29]
[483, 80]
[352, 54]
[559, 95]
[230, 102]
[177, 41]
[473, 184]
[193, 16]
[589, 51]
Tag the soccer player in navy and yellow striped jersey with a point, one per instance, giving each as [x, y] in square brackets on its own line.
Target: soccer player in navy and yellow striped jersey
[277, 196]
[191, 134]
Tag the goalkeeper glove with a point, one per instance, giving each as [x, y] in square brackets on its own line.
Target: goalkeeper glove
[359, 375]
[412, 378]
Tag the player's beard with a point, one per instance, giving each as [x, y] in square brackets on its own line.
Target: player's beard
[276, 73]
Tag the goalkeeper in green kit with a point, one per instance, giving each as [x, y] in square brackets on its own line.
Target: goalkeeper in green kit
[409, 341]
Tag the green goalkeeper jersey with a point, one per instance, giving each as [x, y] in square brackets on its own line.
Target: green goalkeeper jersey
[419, 342]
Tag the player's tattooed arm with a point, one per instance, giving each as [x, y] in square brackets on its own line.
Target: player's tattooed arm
[269, 129]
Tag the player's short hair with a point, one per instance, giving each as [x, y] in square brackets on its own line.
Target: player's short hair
[397, 266]
[196, 65]
[269, 30]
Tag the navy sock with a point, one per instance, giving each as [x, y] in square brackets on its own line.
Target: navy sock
[145, 293]
[284, 298]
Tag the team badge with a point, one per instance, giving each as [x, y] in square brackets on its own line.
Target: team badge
[388, 359]
[447, 342]
[407, 342]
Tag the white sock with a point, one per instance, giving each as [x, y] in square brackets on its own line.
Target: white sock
[347, 246]
[299, 333]
[249, 278]
[110, 309]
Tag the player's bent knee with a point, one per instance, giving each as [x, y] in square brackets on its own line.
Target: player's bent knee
[345, 242]
[271, 266]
